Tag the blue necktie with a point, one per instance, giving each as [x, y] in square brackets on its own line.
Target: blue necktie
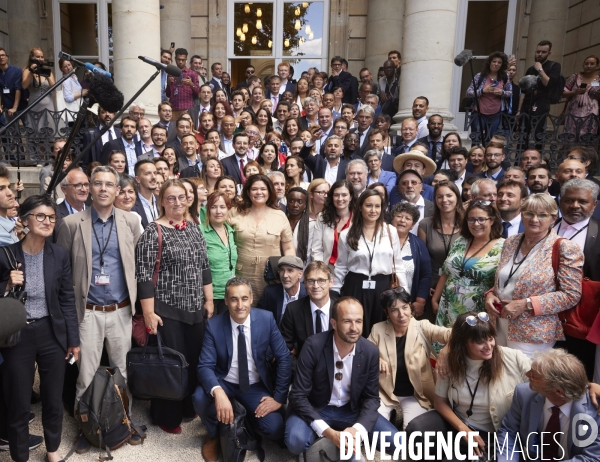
[243, 376]
[505, 226]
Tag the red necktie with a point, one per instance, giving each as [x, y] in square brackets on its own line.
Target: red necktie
[242, 170]
[553, 428]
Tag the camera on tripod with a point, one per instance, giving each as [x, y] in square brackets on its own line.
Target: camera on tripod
[43, 68]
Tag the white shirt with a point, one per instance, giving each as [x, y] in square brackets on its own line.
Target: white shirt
[458, 182]
[233, 376]
[283, 84]
[340, 392]
[131, 156]
[421, 206]
[106, 137]
[564, 229]
[288, 298]
[564, 416]
[149, 208]
[331, 173]
[423, 130]
[228, 146]
[513, 229]
[324, 315]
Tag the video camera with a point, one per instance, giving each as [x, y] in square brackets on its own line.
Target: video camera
[43, 68]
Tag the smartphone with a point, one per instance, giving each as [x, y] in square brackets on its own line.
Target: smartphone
[172, 44]
[583, 85]
[494, 83]
[498, 307]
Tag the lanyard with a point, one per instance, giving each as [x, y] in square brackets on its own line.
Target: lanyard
[465, 260]
[513, 270]
[105, 244]
[371, 254]
[226, 245]
[472, 393]
[447, 248]
[573, 236]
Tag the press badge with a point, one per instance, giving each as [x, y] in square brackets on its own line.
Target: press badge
[595, 84]
[102, 279]
[6, 91]
[368, 284]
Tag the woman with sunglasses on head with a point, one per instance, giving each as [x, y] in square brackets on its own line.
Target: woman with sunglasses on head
[469, 269]
[51, 336]
[405, 373]
[527, 294]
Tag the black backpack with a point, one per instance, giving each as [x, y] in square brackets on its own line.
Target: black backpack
[103, 411]
[555, 89]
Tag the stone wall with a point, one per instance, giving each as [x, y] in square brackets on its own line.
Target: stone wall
[583, 34]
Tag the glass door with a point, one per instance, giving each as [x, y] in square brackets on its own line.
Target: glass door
[484, 26]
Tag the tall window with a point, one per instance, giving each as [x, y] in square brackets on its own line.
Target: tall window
[265, 33]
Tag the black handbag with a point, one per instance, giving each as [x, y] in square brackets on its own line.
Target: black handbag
[19, 294]
[237, 438]
[271, 271]
[155, 371]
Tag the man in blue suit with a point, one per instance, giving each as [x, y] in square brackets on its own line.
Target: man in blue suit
[276, 297]
[552, 415]
[233, 365]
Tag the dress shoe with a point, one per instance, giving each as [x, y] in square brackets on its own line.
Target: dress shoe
[135, 440]
[31, 417]
[210, 449]
[173, 431]
[82, 445]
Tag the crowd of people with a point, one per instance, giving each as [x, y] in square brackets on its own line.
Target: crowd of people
[307, 263]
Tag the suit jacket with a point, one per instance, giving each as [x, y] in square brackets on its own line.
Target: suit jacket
[343, 80]
[317, 164]
[523, 420]
[61, 212]
[388, 179]
[176, 145]
[117, 145]
[387, 163]
[416, 359]
[498, 179]
[231, 166]
[58, 290]
[75, 235]
[312, 386]
[425, 141]
[361, 150]
[303, 123]
[217, 350]
[172, 131]
[214, 85]
[96, 152]
[272, 300]
[426, 193]
[591, 251]
[191, 171]
[297, 323]
[139, 209]
[354, 92]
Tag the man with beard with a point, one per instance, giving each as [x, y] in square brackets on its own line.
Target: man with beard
[330, 393]
[234, 165]
[539, 179]
[388, 84]
[410, 185]
[434, 139]
[419, 112]
[125, 143]
[276, 297]
[356, 174]
[511, 195]
[145, 204]
[330, 167]
[113, 133]
[350, 146]
[494, 155]
[418, 161]
[577, 204]
[278, 180]
[159, 139]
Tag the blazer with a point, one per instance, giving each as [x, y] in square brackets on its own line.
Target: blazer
[416, 358]
[387, 178]
[297, 323]
[316, 163]
[176, 145]
[344, 80]
[537, 281]
[139, 209]
[75, 235]
[303, 123]
[272, 300]
[96, 152]
[214, 85]
[61, 212]
[421, 281]
[232, 167]
[58, 282]
[591, 251]
[498, 179]
[322, 241]
[172, 131]
[314, 380]
[217, 351]
[194, 113]
[361, 150]
[524, 417]
[387, 163]
[117, 145]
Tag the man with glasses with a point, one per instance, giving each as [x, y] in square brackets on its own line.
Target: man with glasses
[410, 185]
[336, 387]
[101, 243]
[494, 156]
[10, 82]
[339, 78]
[159, 140]
[76, 189]
[248, 73]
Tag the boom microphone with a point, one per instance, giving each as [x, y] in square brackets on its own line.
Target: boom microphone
[168, 68]
[463, 57]
[529, 82]
[89, 66]
[104, 91]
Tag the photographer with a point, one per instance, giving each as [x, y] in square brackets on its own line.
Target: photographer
[38, 78]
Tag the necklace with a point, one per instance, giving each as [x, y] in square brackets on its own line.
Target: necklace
[465, 260]
[179, 226]
[513, 270]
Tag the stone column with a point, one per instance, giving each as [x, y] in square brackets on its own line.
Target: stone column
[427, 57]
[134, 32]
[384, 32]
[548, 21]
[24, 31]
[176, 24]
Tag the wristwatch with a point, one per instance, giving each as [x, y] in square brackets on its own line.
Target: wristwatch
[529, 304]
[540, 70]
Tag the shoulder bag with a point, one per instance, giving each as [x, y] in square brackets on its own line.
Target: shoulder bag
[138, 330]
[394, 281]
[238, 437]
[271, 271]
[577, 321]
[19, 294]
[322, 450]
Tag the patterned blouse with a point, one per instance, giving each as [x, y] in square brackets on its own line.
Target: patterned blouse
[184, 270]
[466, 292]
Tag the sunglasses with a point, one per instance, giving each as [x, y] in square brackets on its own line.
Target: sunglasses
[339, 375]
[472, 320]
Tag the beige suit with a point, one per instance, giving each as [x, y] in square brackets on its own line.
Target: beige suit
[415, 358]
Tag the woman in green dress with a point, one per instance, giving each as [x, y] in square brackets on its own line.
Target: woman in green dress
[470, 267]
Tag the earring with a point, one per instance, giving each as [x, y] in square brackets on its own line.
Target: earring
[387, 321]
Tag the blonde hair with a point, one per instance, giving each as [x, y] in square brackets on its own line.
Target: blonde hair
[561, 370]
[539, 201]
[314, 184]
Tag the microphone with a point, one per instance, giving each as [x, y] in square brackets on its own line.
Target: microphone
[168, 68]
[89, 66]
[529, 82]
[463, 57]
[104, 91]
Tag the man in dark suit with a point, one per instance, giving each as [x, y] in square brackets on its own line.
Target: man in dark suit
[165, 116]
[340, 78]
[205, 96]
[233, 365]
[434, 139]
[276, 297]
[283, 71]
[311, 109]
[353, 84]
[309, 315]
[408, 132]
[336, 387]
[330, 167]
[233, 165]
[216, 69]
[76, 188]
[113, 133]
[577, 204]
[494, 156]
[365, 118]
[416, 161]
[250, 70]
[410, 187]
[126, 144]
[457, 161]
[146, 203]
[183, 127]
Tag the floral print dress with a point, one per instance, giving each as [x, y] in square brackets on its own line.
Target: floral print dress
[467, 292]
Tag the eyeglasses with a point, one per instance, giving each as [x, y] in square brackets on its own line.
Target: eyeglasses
[478, 220]
[106, 184]
[484, 203]
[320, 193]
[41, 217]
[410, 183]
[79, 186]
[314, 282]
[338, 375]
[492, 155]
[540, 216]
[252, 133]
[472, 320]
[175, 199]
